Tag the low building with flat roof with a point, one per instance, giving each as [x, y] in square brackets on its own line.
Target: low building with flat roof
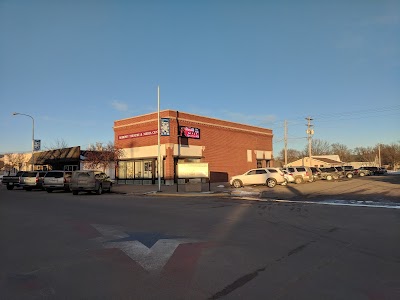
[229, 148]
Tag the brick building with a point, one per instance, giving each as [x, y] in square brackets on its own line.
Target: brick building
[229, 148]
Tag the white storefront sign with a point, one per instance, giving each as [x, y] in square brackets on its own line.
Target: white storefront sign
[192, 170]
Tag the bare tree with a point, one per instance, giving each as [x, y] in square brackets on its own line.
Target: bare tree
[367, 154]
[14, 160]
[292, 155]
[343, 151]
[319, 147]
[58, 144]
[101, 156]
[390, 154]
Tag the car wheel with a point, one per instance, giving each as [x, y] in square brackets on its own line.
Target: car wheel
[362, 174]
[74, 192]
[271, 182]
[329, 177]
[298, 180]
[99, 190]
[10, 187]
[349, 175]
[237, 183]
[49, 190]
[28, 189]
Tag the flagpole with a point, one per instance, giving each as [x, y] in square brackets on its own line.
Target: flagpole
[159, 138]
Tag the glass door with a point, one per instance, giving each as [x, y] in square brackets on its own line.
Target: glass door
[148, 169]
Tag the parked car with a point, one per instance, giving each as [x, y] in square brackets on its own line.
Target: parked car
[12, 181]
[382, 171]
[32, 180]
[301, 174]
[269, 176]
[316, 173]
[375, 170]
[331, 173]
[348, 171]
[379, 171]
[288, 176]
[362, 172]
[57, 180]
[90, 181]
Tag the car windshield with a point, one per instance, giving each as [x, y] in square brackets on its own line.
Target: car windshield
[83, 174]
[55, 174]
[29, 174]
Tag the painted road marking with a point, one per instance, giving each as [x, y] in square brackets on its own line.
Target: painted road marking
[151, 250]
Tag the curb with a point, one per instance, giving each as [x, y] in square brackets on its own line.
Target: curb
[200, 194]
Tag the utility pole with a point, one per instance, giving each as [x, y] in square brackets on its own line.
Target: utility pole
[379, 155]
[310, 133]
[158, 140]
[285, 137]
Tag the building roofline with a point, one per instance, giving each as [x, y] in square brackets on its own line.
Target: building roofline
[199, 116]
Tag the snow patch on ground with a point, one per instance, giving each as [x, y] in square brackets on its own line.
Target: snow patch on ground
[361, 203]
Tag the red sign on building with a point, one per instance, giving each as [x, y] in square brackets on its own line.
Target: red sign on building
[189, 132]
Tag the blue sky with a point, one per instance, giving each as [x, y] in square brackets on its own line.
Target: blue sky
[78, 65]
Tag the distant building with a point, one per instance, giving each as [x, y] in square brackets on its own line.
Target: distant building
[67, 159]
[321, 161]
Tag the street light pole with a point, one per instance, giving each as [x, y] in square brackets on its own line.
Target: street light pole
[33, 135]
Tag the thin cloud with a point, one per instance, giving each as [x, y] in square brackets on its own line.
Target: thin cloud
[119, 106]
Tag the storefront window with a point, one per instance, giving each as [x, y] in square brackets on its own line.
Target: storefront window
[129, 169]
[259, 163]
[122, 169]
[70, 168]
[138, 169]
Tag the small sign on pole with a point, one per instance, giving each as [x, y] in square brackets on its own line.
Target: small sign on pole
[36, 145]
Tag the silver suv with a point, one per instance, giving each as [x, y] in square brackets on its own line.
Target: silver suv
[301, 174]
[269, 176]
[57, 180]
[32, 180]
[90, 181]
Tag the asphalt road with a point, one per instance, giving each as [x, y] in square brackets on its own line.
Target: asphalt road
[112, 246]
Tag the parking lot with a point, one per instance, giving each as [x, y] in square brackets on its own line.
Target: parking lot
[384, 189]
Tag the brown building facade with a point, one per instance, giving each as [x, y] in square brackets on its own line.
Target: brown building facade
[229, 148]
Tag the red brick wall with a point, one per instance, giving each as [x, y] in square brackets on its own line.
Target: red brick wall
[225, 143]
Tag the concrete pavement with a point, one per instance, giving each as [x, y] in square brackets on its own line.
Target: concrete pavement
[379, 189]
[214, 189]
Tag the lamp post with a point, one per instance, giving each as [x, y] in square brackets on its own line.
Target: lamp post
[33, 135]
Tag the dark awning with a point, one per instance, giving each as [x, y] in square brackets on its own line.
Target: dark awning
[57, 155]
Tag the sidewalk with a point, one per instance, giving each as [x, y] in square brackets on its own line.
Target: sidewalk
[214, 189]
